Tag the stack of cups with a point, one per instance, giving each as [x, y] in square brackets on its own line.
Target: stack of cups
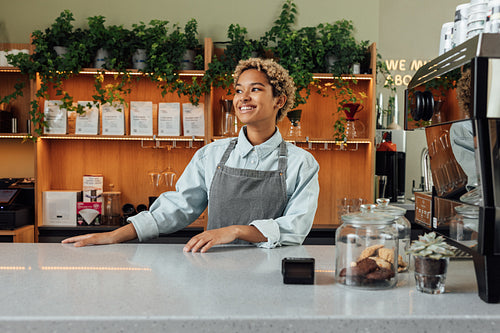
[493, 17]
[477, 17]
[460, 25]
[445, 43]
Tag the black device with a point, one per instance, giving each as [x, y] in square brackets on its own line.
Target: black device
[392, 164]
[17, 202]
[297, 270]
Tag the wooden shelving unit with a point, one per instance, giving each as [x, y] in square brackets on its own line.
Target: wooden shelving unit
[346, 169]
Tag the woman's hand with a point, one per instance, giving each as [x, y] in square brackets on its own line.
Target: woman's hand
[204, 241]
[90, 239]
[119, 235]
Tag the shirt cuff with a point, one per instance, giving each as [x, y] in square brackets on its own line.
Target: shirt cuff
[145, 226]
[270, 230]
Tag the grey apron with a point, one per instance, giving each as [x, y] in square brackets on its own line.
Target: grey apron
[240, 196]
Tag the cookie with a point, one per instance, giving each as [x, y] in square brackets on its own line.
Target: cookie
[382, 263]
[370, 251]
[386, 254]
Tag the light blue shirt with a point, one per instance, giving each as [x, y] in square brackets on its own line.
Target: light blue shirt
[175, 210]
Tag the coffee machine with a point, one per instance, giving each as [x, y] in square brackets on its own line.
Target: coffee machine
[456, 99]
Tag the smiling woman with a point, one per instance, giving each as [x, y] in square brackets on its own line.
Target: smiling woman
[258, 188]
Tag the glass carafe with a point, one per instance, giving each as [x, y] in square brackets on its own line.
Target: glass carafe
[228, 118]
[111, 208]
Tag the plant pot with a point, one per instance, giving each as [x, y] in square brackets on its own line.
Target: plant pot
[330, 61]
[187, 62]
[430, 274]
[139, 59]
[61, 50]
[100, 58]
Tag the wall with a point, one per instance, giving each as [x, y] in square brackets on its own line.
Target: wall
[19, 18]
[403, 29]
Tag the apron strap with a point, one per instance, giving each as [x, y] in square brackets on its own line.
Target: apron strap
[282, 158]
[228, 151]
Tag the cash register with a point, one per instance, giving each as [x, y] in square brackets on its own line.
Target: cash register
[17, 201]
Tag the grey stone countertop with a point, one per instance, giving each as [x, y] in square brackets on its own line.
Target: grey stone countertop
[158, 288]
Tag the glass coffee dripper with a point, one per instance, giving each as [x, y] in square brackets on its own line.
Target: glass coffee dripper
[354, 128]
[294, 116]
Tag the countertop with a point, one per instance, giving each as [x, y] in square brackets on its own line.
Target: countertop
[158, 288]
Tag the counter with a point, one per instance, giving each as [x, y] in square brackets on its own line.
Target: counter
[158, 288]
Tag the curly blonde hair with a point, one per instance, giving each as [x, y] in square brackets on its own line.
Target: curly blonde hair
[277, 76]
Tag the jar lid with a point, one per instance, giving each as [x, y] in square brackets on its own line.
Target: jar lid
[384, 207]
[473, 197]
[468, 211]
[368, 215]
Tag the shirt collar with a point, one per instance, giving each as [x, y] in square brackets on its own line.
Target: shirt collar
[244, 147]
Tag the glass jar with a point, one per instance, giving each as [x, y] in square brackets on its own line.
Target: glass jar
[464, 226]
[366, 250]
[403, 230]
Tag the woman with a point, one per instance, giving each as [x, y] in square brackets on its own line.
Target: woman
[258, 188]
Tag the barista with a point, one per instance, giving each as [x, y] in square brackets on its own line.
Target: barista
[258, 188]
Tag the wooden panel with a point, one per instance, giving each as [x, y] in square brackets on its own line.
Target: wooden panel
[24, 234]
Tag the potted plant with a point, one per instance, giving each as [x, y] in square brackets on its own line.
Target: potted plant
[164, 59]
[431, 257]
[190, 45]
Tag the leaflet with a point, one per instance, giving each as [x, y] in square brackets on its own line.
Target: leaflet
[113, 119]
[169, 119]
[193, 119]
[56, 118]
[141, 118]
[88, 122]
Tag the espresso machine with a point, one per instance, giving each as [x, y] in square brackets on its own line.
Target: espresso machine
[456, 99]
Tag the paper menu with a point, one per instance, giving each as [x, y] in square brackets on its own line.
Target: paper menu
[169, 119]
[193, 119]
[141, 118]
[88, 122]
[113, 119]
[56, 118]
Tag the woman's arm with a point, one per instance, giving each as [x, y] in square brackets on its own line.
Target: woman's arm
[119, 235]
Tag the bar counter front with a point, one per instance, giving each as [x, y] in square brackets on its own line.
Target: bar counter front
[159, 288]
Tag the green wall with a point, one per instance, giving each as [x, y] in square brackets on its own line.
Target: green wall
[19, 18]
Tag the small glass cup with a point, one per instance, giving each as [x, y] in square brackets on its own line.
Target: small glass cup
[430, 274]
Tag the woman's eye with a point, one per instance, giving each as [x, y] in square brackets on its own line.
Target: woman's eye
[238, 91]
[255, 89]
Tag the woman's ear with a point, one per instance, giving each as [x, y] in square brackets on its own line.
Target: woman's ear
[280, 101]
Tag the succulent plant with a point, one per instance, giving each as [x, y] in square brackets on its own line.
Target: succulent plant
[432, 246]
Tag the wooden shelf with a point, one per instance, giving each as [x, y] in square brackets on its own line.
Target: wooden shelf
[62, 160]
